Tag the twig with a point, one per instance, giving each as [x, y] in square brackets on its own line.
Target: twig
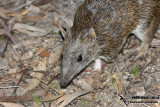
[121, 79]
[7, 3]
[5, 48]
[8, 32]
[53, 78]
[9, 87]
[28, 3]
[14, 92]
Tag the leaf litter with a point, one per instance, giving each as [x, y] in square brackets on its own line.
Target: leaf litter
[35, 47]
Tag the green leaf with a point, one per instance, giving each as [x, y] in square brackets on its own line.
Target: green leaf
[1, 39]
[135, 71]
[84, 103]
[36, 100]
[114, 82]
[58, 33]
[52, 85]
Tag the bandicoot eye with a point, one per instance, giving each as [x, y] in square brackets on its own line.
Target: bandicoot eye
[79, 58]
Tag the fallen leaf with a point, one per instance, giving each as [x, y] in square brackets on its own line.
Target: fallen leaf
[55, 54]
[10, 104]
[119, 85]
[73, 96]
[157, 86]
[3, 12]
[18, 16]
[34, 9]
[3, 63]
[38, 76]
[2, 31]
[53, 105]
[24, 12]
[158, 104]
[32, 18]
[155, 42]
[3, 15]
[49, 97]
[27, 55]
[61, 99]
[87, 89]
[43, 52]
[30, 30]
[26, 43]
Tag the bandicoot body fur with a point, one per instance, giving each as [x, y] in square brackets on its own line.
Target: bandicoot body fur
[101, 28]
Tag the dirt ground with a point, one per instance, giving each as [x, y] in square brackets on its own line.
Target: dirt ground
[31, 46]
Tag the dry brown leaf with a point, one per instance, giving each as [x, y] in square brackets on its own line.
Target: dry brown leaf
[36, 19]
[10, 104]
[34, 9]
[44, 53]
[158, 104]
[119, 85]
[155, 42]
[30, 30]
[73, 96]
[157, 86]
[87, 89]
[26, 43]
[94, 79]
[19, 26]
[27, 55]
[3, 63]
[18, 16]
[3, 12]
[24, 12]
[53, 105]
[32, 18]
[49, 97]
[2, 31]
[38, 76]
[55, 54]
[61, 99]
[3, 15]
[6, 11]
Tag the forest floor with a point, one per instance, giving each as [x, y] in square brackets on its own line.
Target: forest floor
[31, 46]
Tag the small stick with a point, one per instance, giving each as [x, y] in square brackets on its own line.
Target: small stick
[9, 87]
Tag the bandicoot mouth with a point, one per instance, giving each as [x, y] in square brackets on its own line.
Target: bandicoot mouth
[63, 84]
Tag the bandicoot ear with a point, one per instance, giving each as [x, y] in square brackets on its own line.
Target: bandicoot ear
[92, 33]
[91, 36]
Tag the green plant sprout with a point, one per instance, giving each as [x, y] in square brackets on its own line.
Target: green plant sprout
[38, 25]
[36, 100]
[84, 103]
[135, 71]
[114, 82]
[52, 85]
[1, 39]
[58, 32]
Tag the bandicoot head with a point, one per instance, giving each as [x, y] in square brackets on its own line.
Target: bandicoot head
[79, 51]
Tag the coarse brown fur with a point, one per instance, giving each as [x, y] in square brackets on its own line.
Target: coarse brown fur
[112, 21]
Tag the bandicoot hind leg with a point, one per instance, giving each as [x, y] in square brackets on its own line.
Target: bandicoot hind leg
[145, 33]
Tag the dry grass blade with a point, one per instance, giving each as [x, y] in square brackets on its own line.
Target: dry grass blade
[61, 99]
